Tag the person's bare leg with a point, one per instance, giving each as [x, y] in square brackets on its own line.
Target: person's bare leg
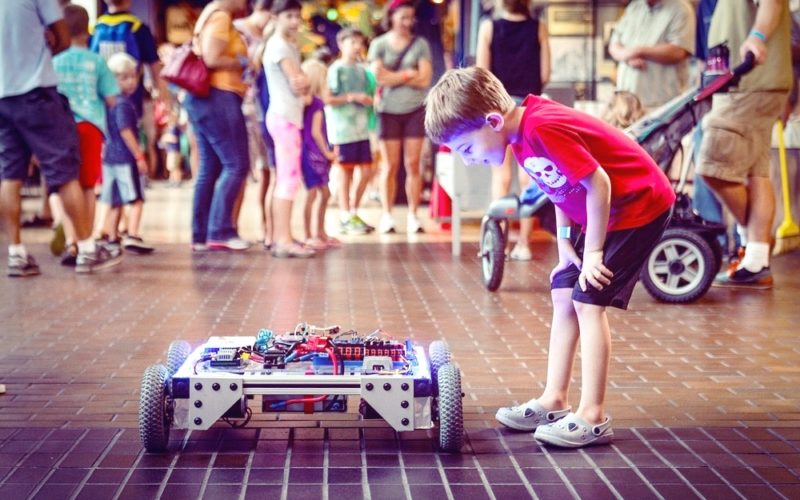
[11, 208]
[345, 186]
[733, 195]
[91, 202]
[412, 149]
[281, 220]
[269, 215]
[762, 209]
[322, 209]
[71, 195]
[564, 335]
[237, 206]
[135, 217]
[308, 210]
[390, 152]
[263, 187]
[595, 358]
[363, 176]
[60, 217]
[111, 222]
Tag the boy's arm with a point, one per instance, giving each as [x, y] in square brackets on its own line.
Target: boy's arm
[483, 54]
[544, 53]
[133, 146]
[598, 205]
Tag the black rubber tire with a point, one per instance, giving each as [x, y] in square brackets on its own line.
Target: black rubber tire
[439, 355]
[451, 412]
[681, 267]
[493, 254]
[155, 409]
[177, 353]
[716, 248]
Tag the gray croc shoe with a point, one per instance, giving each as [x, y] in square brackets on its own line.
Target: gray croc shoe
[529, 416]
[574, 432]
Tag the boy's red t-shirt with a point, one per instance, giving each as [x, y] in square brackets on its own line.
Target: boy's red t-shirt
[558, 146]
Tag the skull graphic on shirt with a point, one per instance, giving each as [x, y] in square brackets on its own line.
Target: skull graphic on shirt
[544, 171]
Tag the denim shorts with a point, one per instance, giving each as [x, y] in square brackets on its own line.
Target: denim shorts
[624, 254]
[39, 122]
[121, 184]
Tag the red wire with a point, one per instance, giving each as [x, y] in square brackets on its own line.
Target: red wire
[332, 356]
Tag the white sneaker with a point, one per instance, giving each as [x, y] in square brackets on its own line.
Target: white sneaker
[521, 252]
[528, 416]
[413, 224]
[574, 432]
[386, 224]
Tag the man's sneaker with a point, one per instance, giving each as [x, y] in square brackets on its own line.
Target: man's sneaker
[354, 225]
[386, 224]
[574, 432]
[19, 266]
[114, 247]
[101, 258]
[413, 225]
[233, 244]
[70, 256]
[135, 244]
[529, 416]
[744, 278]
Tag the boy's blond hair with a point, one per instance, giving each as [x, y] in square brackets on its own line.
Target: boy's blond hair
[460, 101]
[317, 74]
[121, 62]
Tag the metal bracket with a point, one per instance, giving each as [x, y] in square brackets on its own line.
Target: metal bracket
[210, 397]
[392, 396]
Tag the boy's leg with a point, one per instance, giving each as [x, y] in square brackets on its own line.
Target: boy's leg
[365, 173]
[564, 334]
[135, 217]
[11, 208]
[344, 192]
[595, 357]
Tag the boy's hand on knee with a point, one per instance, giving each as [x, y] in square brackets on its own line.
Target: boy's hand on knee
[566, 257]
[593, 271]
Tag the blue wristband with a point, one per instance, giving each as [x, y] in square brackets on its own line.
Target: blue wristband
[244, 62]
[564, 232]
[761, 36]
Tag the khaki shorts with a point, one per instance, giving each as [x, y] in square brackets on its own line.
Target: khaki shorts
[736, 135]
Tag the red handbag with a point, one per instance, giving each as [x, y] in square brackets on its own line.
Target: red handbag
[187, 70]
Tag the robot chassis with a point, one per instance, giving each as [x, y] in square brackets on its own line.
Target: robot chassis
[310, 370]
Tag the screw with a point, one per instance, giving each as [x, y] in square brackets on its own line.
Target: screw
[198, 421]
[198, 386]
[215, 386]
[404, 386]
[234, 387]
[370, 386]
[404, 404]
[404, 421]
[387, 386]
[198, 404]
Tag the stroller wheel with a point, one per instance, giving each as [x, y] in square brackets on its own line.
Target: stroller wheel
[681, 267]
[492, 254]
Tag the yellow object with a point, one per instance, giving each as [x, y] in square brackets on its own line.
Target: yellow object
[787, 237]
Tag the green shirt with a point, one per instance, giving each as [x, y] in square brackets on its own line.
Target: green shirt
[732, 22]
[348, 122]
[84, 78]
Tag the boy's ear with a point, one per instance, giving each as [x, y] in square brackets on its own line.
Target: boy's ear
[495, 121]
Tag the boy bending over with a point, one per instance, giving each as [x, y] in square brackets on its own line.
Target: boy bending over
[598, 179]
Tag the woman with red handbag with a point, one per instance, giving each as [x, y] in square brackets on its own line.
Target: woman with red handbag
[220, 127]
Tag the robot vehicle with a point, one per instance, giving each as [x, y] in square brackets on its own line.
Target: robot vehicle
[310, 370]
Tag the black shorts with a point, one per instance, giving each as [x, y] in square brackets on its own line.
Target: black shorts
[355, 153]
[39, 122]
[403, 126]
[624, 254]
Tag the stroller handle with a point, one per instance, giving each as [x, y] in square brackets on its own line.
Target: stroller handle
[723, 82]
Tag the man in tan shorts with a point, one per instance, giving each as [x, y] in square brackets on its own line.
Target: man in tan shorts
[734, 154]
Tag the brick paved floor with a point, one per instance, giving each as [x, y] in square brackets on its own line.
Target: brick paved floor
[704, 396]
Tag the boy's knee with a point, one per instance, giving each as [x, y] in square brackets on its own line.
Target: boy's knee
[583, 309]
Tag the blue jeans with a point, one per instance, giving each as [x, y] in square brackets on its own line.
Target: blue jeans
[221, 133]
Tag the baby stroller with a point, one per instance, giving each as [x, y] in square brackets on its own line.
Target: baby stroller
[682, 266]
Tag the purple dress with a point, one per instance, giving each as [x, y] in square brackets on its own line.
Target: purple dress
[316, 167]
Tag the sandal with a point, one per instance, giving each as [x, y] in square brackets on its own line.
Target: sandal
[574, 432]
[332, 242]
[315, 244]
[292, 251]
[528, 416]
